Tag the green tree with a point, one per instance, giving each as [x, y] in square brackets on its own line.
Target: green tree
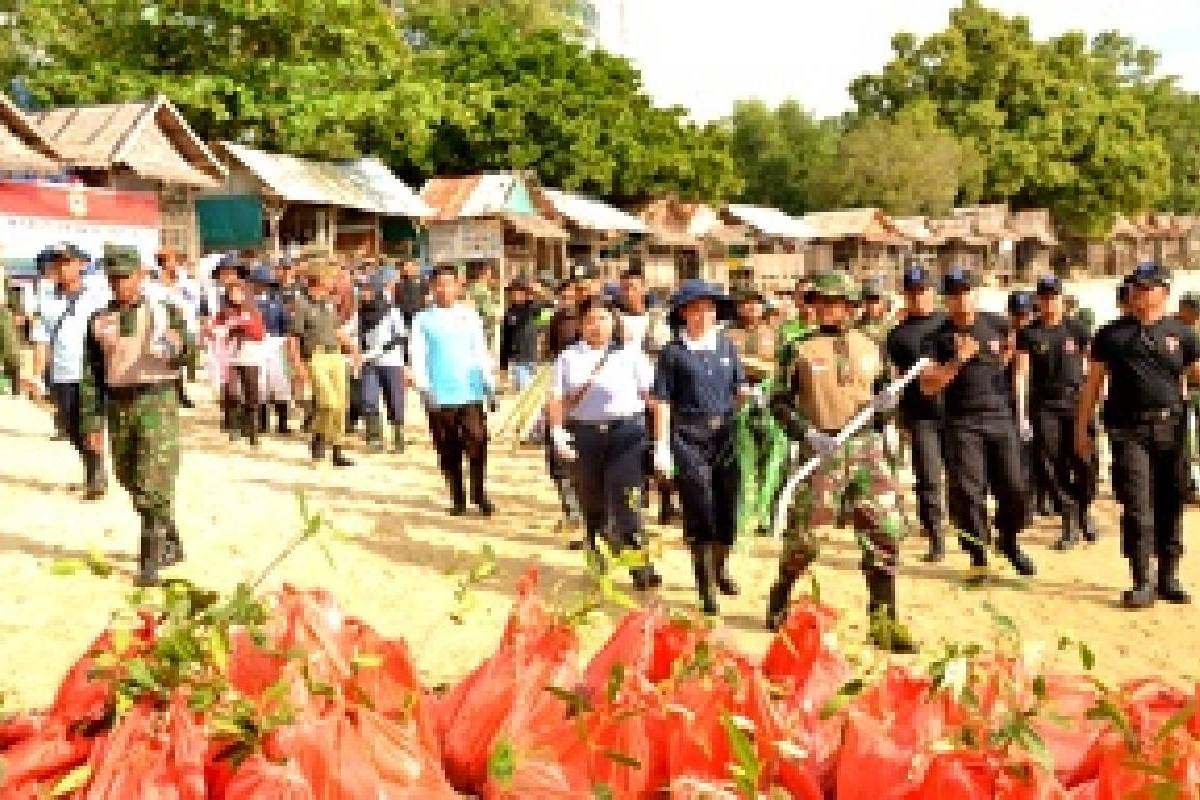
[572, 17]
[906, 167]
[1057, 124]
[784, 154]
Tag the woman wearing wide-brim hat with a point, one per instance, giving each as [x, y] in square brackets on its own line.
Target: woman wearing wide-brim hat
[698, 385]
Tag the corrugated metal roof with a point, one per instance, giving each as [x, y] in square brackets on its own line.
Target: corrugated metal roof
[23, 148]
[869, 224]
[593, 214]
[473, 195]
[151, 138]
[772, 222]
[365, 185]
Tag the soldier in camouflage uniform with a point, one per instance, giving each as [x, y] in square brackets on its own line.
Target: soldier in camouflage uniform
[876, 320]
[133, 353]
[483, 297]
[830, 381]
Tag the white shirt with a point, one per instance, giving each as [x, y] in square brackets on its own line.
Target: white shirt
[706, 342]
[68, 331]
[389, 329]
[617, 391]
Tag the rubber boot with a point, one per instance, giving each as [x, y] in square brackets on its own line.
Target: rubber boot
[339, 457]
[281, 414]
[886, 632]
[1021, 562]
[172, 547]
[96, 480]
[725, 582]
[1142, 594]
[1169, 587]
[374, 426]
[264, 419]
[1070, 535]
[318, 447]
[702, 566]
[978, 573]
[149, 555]
[398, 443]
[937, 547]
[778, 599]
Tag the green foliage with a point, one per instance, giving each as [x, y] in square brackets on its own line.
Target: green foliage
[1057, 123]
[785, 154]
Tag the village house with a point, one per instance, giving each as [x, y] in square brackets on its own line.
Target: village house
[689, 240]
[602, 237]
[146, 146]
[864, 241]
[24, 149]
[778, 245]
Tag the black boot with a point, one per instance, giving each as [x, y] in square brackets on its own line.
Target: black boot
[281, 414]
[1142, 594]
[96, 478]
[264, 419]
[374, 426]
[1169, 587]
[1091, 533]
[724, 580]
[937, 547]
[250, 426]
[318, 447]
[702, 566]
[172, 547]
[149, 554]
[1021, 562]
[339, 457]
[778, 600]
[978, 573]
[310, 411]
[398, 436]
[1070, 535]
[886, 632]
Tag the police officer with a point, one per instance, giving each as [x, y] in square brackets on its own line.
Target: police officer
[921, 415]
[1144, 356]
[134, 350]
[832, 379]
[698, 383]
[972, 350]
[596, 408]
[315, 350]
[1020, 316]
[1049, 363]
[58, 336]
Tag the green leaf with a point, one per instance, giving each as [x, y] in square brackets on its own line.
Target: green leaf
[502, 762]
[73, 781]
[1086, 656]
[367, 661]
[1176, 720]
[67, 566]
[602, 791]
[616, 679]
[99, 564]
[622, 759]
[746, 770]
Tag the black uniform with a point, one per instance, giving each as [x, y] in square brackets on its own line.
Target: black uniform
[1143, 414]
[923, 417]
[982, 447]
[1056, 355]
[701, 388]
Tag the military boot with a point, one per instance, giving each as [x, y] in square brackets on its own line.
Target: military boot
[374, 426]
[318, 447]
[281, 415]
[264, 418]
[702, 567]
[1020, 560]
[1070, 534]
[887, 633]
[937, 547]
[250, 426]
[1142, 594]
[172, 546]
[778, 600]
[1169, 587]
[340, 459]
[724, 580]
[96, 480]
[149, 554]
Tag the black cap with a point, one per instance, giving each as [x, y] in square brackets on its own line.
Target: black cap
[1049, 284]
[916, 277]
[1020, 302]
[1123, 291]
[957, 280]
[1150, 273]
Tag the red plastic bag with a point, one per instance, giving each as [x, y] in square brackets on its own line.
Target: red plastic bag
[629, 650]
[260, 779]
[33, 766]
[958, 775]
[672, 639]
[1065, 728]
[872, 765]
[801, 657]
[140, 759]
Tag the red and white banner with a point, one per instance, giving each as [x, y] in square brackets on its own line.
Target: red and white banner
[35, 215]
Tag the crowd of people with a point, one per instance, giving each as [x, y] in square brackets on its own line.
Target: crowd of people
[638, 395]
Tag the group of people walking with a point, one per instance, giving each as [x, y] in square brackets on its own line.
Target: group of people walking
[639, 397]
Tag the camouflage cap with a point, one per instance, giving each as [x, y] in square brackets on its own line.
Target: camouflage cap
[121, 260]
[1190, 300]
[835, 284]
[322, 269]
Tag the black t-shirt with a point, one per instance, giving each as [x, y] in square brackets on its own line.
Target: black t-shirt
[1056, 355]
[1145, 363]
[982, 385]
[904, 346]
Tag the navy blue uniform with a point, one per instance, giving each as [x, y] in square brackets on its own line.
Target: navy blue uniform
[701, 388]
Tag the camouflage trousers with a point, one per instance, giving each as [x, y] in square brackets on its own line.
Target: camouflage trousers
[143, 432]
[853, 485]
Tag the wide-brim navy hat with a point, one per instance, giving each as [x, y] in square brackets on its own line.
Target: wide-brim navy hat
[692, 290]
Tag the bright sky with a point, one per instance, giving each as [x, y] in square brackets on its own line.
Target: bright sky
[704, 54]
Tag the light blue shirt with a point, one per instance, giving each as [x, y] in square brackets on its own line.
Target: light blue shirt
[449, 357]
[618, 389]
[62, 325]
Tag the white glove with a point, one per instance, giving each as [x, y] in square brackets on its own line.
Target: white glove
[1025, 429]
[885, 402]
[821, 443]
[562, 441]
[663, 463]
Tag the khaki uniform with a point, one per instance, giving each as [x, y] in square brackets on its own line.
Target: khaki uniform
[315, 323]
[756, 346]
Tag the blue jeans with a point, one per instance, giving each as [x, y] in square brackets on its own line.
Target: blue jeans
[522, 374]
[388, 381]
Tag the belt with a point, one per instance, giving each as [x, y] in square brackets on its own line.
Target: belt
[603, 426]
[713, 422]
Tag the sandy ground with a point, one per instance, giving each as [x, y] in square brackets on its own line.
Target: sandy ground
[237, 507]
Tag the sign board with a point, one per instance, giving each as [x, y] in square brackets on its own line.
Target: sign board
[35, 215]
[466, 240]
